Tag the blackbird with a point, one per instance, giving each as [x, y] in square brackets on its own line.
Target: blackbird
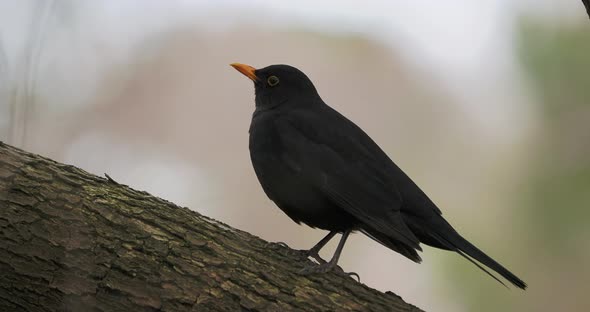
[321, 169]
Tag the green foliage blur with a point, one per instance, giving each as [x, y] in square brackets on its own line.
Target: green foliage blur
[557, 62]
[553, 212]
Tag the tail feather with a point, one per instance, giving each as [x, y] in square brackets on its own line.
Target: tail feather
[472, 253]
[480, 267]
[393, 244]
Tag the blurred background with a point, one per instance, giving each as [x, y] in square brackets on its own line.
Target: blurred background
[484, 103]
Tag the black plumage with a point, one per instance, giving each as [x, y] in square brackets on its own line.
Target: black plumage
[323, 170]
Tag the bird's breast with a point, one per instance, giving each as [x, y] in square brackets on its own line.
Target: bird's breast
[284, 183]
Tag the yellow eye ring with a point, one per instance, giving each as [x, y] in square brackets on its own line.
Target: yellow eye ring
[272, 81]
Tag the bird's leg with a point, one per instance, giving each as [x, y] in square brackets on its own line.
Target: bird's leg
[333, 263]
[314, 252]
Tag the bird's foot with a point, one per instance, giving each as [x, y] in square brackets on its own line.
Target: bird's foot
[318, 268]
[303, 253]
[275, 245]
[315, 255]
[300, 253]
[327, 267]
[352, 275]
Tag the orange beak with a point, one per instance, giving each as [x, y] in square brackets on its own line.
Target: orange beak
[246, 70]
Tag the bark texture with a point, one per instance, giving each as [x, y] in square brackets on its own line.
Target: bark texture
[73, 241]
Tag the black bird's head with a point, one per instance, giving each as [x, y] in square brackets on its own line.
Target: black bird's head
[279, 85]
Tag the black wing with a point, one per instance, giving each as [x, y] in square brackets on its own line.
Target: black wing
[338, 158]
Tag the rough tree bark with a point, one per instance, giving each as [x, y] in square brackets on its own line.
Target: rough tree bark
[70, 240]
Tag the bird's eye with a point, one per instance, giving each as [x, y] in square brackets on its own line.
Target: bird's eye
[273, 81]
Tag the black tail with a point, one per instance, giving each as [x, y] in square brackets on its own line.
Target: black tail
[471, 253]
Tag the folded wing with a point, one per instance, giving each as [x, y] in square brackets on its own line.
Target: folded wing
[348, 169]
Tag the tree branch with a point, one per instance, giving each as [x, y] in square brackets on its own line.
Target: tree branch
[587, 5]
[70, 240]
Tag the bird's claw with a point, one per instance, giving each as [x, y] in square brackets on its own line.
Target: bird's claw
[274, 245]
[352, 275]
[317, 268]
[303, 253]
[328, 267]
[323, 266]
[340, 271]
[315, 255]
[296, 252]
